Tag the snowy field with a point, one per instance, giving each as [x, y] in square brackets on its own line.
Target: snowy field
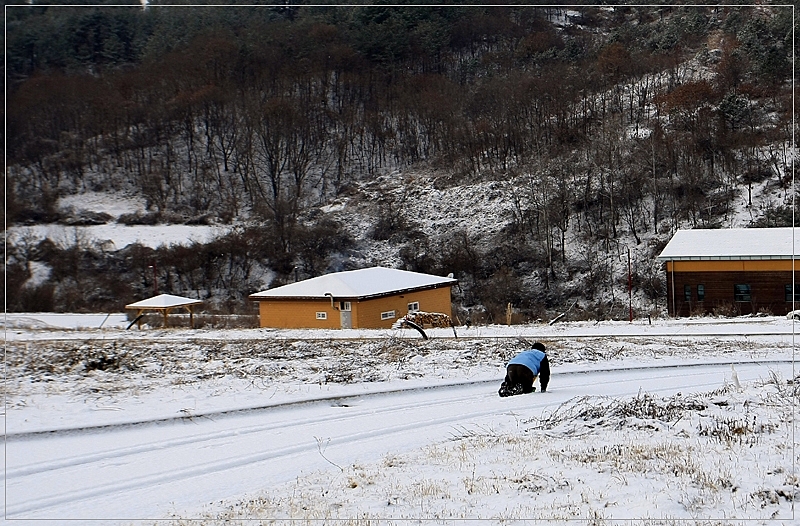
[669, 422]
[111, 235]
[114, 236]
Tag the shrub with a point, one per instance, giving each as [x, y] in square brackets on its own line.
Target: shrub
[36, 299]
[726, 309]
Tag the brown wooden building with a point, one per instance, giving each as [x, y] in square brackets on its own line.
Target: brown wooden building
[739, 271]
[369, 298]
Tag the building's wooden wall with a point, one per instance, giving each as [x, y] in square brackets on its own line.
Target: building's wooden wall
[732, 265]
[767, 291]
[297, 314]
[369, 312]
[293, 314]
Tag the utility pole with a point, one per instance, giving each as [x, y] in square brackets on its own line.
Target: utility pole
[630, 288]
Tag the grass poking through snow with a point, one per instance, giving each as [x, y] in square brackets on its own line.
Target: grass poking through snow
[640, 460]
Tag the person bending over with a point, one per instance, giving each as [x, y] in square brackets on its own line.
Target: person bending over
[523, 369]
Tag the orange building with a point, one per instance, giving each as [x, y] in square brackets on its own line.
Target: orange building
[369, 298]
[739, 270]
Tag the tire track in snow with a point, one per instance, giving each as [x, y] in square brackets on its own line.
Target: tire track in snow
[88, 463]
[197, 439]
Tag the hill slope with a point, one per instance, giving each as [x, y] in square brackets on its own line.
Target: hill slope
[524, 149]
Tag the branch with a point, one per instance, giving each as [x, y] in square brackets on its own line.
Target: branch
[319, 448]
[562, 314]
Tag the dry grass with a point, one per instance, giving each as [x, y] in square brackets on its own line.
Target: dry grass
[571, 464]
[584, 412]
[141, 364]
[543, 473]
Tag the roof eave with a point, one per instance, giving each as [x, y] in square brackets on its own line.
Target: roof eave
[724, 258]
[256, 297]
[133, 306]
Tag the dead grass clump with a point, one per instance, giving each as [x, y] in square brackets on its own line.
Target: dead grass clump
[725, 310]
[735, 429]
[100, 361]
[226, 321]
[397, 350]
[592, 411]
[772, 497]
[70, 357]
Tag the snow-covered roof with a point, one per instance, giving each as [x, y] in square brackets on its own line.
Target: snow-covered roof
[163, 301]
[360, 284]
[734, 243]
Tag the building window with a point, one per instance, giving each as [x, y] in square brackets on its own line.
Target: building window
[741, 292]
[345, 306]
[388, 315]
[322, 315]
[788, 293]
[413, 307]
[687, 293]
[701, 292]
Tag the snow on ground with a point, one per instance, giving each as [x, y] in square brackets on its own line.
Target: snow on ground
[114, 205]
[115, 236]
[719, 456]
[627, 430]
[40, 273]
[67, 326]
[111, 236]
[53, 320]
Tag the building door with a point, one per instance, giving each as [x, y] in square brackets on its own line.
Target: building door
[345, 315]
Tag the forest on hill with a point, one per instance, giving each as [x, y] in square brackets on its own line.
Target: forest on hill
[316, 133]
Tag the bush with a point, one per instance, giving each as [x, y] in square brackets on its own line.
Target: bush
[138, 218]
[36, 299]
[85, 218]
[725, 310]
[201, 320]
[775, 216]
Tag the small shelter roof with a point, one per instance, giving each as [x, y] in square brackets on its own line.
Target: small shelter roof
[732, 244]
[356, 284]
[163, 301]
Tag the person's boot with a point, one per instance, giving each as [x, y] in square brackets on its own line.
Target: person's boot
[503, 392]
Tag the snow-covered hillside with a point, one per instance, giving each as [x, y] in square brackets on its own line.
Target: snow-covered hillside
[527, 150]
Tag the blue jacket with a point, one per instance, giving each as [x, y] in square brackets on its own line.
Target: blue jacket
[531, 359]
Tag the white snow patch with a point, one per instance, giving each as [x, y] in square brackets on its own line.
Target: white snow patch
[114, 236]
[333, 207]
[40, 272]
[51, 320]
[421, 431]
[114, 205]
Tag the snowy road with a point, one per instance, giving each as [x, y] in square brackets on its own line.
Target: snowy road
[180, 467]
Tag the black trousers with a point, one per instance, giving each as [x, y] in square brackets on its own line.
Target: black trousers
[519, 374]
